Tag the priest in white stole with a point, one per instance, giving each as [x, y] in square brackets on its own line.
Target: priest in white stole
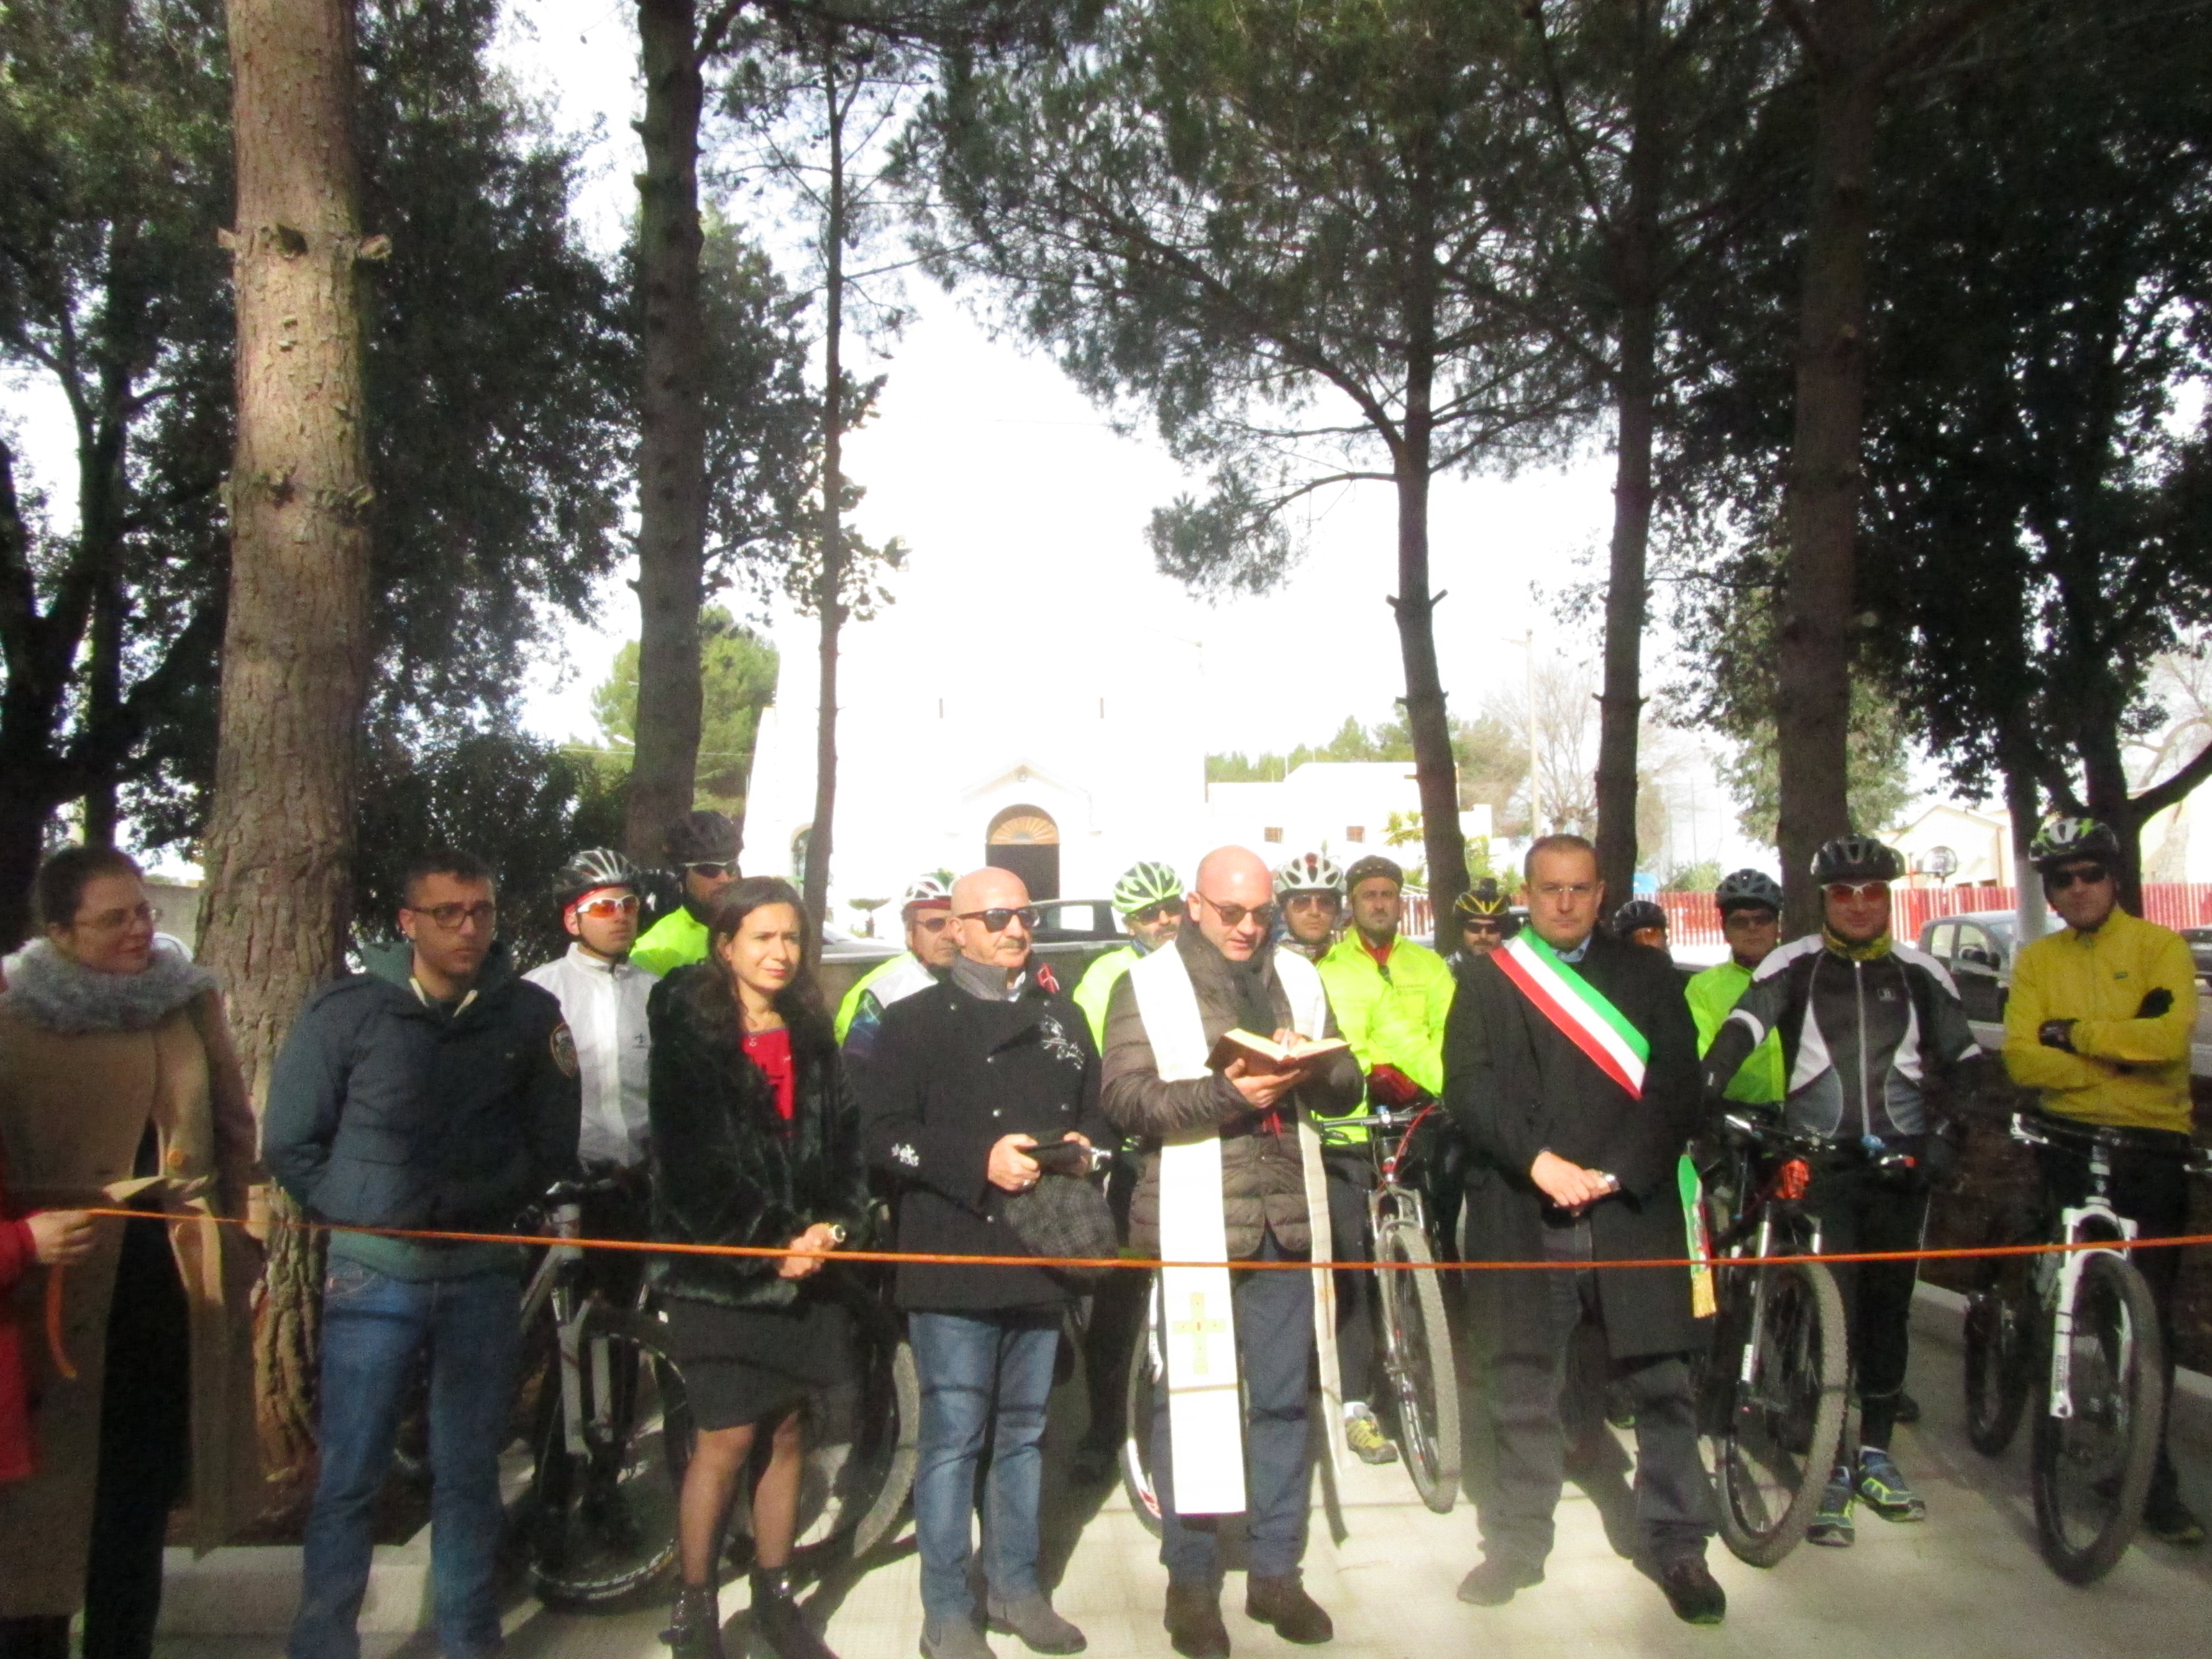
[1232, 1173]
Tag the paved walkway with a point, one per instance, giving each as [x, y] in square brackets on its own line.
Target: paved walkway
[1967, 1583]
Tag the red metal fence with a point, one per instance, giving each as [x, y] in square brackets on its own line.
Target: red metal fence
[1691, 919]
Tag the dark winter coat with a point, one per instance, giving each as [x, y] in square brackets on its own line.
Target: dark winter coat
[387, 1111]
[1262, 1175]
[726, 1168]
[952, 1072]
[1517, 1087]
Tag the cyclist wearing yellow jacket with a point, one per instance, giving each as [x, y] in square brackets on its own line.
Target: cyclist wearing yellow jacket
[2098, 1023]
[1750, 903]
[701, 848]
[1391, 995]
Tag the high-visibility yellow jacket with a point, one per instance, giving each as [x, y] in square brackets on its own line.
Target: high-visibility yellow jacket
[1759, 1081]
[677, 937]
[1395, 1019]
[2126, 1069]
[1095, 988]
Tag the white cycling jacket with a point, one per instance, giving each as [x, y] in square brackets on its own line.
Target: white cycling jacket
[604, 1003]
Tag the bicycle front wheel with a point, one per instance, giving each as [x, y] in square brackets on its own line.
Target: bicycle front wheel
[2093, 1466]
[2000, 1316]
[1777, 1403]
[1139, 1403]
[1417, 1358]
[600, 1517]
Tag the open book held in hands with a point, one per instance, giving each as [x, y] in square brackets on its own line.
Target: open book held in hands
[1262, 1056]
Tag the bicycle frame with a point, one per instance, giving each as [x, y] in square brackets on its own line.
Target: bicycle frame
[559, 1279]
[2058, 1277]
[1388, 1134]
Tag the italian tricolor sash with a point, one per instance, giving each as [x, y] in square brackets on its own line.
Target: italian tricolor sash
[1576, 1008]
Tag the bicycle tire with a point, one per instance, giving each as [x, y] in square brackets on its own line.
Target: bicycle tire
[1139, 1400]
[1997, 1350]
[601, 1526]
[1776, 1438]
[861, 1453]
[1416, 1361]
[2092, 1470]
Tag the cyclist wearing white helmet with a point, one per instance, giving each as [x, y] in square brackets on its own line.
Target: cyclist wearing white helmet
[1149, 898]
[926, 912]
[2099, 1024]
[1310, 890]
[1872, 1035]
[602, 994]
[1750, 903]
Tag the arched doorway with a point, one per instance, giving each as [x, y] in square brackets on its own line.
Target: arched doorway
[1025, 840]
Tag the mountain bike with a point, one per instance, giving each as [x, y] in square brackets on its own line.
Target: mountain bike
[607, 1417]
[1418, 1366]
[1774, 1383]
[2078, 1332]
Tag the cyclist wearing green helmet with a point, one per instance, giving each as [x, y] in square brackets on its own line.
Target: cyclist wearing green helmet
[1149, 899]
[1750, 903]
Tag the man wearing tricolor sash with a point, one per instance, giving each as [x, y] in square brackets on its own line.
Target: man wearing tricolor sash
[1570, 1065]
[1232, 1172]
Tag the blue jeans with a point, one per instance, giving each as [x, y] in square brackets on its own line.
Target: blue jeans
[976, 1368]
[374, 1327]
[1274, 1353]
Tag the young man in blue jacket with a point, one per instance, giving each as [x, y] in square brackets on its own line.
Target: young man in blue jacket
[437, 1092]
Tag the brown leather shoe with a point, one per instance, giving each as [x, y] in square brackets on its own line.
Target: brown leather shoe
[1194, 1621]
[1284, 1603]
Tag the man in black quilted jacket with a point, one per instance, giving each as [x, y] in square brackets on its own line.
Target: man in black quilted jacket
[967, 1074]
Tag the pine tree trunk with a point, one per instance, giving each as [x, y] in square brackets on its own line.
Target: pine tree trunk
[1626, 601]
[672, 451]
[280, 842]
[829, 595]
[1820, 504]
[1426, 722]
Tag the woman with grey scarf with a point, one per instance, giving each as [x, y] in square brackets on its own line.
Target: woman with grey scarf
[119, 1089]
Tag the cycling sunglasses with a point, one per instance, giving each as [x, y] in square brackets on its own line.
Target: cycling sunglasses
[2084, 875]
[605, 907]
[934, 921]
[1856, 889]
[1482, 925]
[711, 871]
[1152, 913]
[1233, 916]
[998, 921]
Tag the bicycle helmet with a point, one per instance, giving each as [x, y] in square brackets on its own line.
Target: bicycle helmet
[1310, 872]
[700, 837]
[591, 869]
[1485, 898]
[1747, 889]
[1855, 858]
[1636, 914]
[931, 891]
[1143, 885]
[1374, 864]
[2061, 840]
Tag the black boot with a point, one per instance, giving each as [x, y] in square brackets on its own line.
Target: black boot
[695, 1629]
[777, 1620]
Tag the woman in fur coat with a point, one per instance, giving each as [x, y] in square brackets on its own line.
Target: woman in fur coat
[755, 1141]
[118, 1087]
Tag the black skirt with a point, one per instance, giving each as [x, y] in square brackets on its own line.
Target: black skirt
[742, 1365]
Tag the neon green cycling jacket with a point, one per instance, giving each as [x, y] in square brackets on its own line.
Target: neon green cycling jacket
[1095, 988]
[1395, 1019]
[1759, 1081]
[677, 937]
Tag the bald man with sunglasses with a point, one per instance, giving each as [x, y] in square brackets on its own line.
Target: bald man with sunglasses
[1232, 1172]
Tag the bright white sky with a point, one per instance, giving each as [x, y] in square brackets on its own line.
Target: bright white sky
[1019, 499]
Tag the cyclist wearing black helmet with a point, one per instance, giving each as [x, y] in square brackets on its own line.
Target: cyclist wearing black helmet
[1750, 903]
[1485, 921]
[602, 994]
[1870, 1028]
[701, 848]
[2099, 1024]
[1640, 921]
